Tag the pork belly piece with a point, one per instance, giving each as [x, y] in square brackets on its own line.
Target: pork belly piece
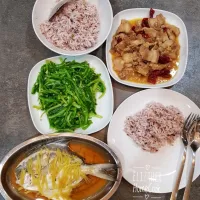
[149, 55]
[154, 66]
[150, 32]
[143, 69]
[157, 22]
[125, 27]
[118, 64]
[167, 44]
[173, 29]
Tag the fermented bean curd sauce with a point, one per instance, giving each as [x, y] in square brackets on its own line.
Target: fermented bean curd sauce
[163, 68]
[93, 186]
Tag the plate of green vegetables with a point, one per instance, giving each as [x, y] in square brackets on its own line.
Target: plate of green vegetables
[70, 94]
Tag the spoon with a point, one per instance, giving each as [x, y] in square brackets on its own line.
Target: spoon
[56, 8]
[61, 3]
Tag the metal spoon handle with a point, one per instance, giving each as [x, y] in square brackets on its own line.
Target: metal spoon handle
[189, 182]
[179, 175]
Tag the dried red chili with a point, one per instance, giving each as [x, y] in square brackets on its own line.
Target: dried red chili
[164, 59]
[119, 40]
[145, 61]
[165, 29]
[133, 28]
[151, 12]
[145, 22]
[152, 78]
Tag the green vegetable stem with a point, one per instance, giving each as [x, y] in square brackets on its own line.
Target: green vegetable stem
[67, 93]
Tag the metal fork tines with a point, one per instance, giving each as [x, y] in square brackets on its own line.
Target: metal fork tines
[184, 136]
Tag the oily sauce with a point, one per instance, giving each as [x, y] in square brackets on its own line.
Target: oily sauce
[139, 78]
[90, 154]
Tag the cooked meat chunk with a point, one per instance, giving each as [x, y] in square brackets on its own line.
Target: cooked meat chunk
[121, 36]
[132, 35]
[161, 19]
[157, 22]
[174, 51]
[150, 32]
[138, 28]
[118, 64]
[142, 69]
[164, 36]
[173, 28]
[130, 57]
[172, 55]
[127, 57]
[117, 39]
[135, 63]
[126, 73]
[128, 49]
[120, 46]
[153, 56]
[137, 42]
[125, 27]
[167, 43]
[157, 66]
[171, 35]
[139, 23]
[149, 45]
[153, 23]
[136, 56]
[114, 43]
[128, 65]
[145, 48]
[149, 55]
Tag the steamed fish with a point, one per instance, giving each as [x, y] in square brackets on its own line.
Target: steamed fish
[54, 173]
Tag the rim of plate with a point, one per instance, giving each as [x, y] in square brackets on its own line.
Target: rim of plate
[28, 91]
[73, 53]
[147, 86]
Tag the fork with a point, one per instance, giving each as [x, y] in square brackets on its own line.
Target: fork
[184, 136]
[195, 145]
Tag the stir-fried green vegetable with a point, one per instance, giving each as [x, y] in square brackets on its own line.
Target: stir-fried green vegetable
[67, 94]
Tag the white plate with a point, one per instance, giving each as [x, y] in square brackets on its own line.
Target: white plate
[40, 14]
[136, 163]
[104, 105]
[141, 13]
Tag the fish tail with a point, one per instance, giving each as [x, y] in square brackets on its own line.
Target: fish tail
[104, 171]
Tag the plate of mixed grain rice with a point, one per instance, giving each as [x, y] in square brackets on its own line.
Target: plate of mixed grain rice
[79, 27]
[145, 134]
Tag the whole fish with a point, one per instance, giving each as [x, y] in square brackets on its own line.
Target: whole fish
[54, 173]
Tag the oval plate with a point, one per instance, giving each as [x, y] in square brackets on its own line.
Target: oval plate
[141, 13]
[10, 193]
[140, 167]
[104, 105]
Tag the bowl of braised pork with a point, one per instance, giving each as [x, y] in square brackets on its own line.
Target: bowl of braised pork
[147, 48]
